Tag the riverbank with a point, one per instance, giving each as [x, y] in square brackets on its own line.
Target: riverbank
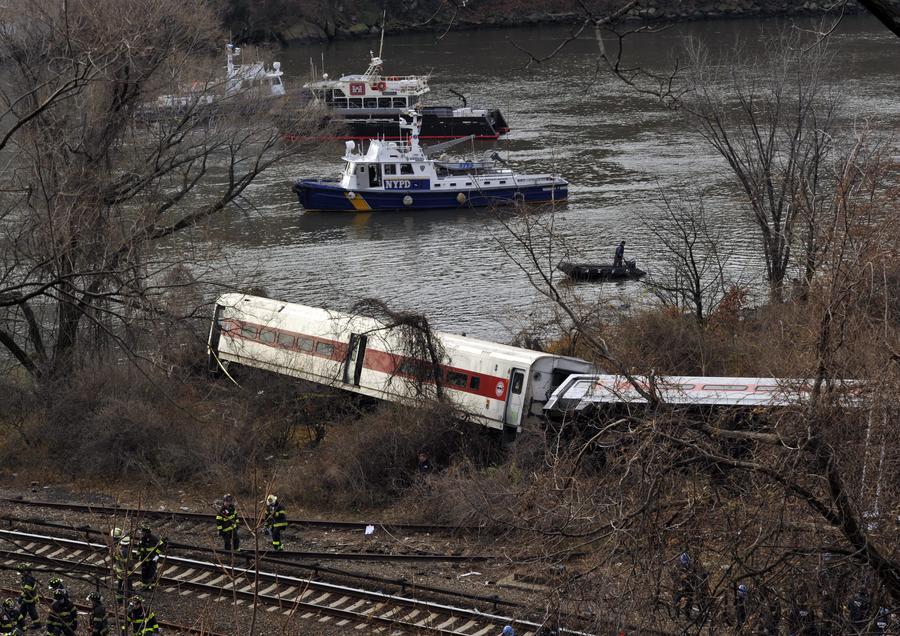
[363, 18]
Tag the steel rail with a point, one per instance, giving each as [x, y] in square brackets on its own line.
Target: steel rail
[316, 568]
[286, 555]
[210, 517]
[294, 584]
[181, 629]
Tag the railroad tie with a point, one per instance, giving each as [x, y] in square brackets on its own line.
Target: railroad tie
[338, 602]
[485, 630]
[447, 623]
[466, 626]
[352, 608]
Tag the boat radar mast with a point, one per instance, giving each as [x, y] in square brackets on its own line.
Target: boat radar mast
[376, 63]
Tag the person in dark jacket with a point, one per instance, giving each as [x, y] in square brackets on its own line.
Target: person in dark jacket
[858, 609]
[29, 595]
[227, 524]
[98, 620]
[12, 620]
[149, 550]
[63, 618]
[424, 465]
[276, 521]
[619, 258]
[143, 622]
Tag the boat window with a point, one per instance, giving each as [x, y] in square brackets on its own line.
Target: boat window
[384, 102]
[355, 102]
[390, 168]
[457, 379]
[324, 348]
[468, 183]
[304, 344]
[406, 168]
[399, 102]
[370, 102]
[286, 340]
[267, 336]
[341, 102]
[474, 382]
[339, 93]
[502, 181]
[452, 185]
[374, 175]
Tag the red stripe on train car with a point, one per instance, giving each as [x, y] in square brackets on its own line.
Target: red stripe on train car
[491, 387]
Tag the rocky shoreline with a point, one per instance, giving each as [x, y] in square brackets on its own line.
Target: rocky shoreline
[357, 19]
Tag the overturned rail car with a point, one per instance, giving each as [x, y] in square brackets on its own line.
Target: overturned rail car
[500, 386]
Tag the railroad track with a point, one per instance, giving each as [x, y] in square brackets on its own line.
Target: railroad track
[285, 555]
[208, 519]
[296, 597]
[275, 559]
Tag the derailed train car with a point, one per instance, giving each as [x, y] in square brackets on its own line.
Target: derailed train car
[500, 386]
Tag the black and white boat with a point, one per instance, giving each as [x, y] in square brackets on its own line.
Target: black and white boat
[369, 106]
[600, 272]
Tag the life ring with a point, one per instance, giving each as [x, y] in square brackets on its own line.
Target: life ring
[379, 86]
[460, 198]
[407, 200]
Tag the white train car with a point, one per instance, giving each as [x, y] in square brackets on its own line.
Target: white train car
[500, 386]
[580, 393]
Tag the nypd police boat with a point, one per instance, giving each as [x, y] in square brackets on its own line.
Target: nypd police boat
[391, 175]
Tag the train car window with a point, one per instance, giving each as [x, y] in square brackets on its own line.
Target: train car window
[474, 382]
[286, 340]
[325, 348]
[517, 381]
[267, 335]
[304, 344]
[457, 379]
[248, 332]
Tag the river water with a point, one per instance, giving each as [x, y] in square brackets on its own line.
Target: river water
[618, 150]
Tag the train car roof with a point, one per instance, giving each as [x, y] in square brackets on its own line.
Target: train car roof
[265, 308]
[579, 392]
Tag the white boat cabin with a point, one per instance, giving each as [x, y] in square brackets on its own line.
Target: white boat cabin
[391, 165]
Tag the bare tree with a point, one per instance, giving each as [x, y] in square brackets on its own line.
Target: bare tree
[692, 275]
[92, 187]
[773, 121]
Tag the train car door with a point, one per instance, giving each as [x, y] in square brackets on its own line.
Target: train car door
[515, 399]
[356, 354]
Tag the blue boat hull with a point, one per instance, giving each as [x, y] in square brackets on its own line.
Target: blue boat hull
[319, 195]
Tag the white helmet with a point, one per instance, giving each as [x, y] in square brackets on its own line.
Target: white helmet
[271, 499]
[126, 540]
[116, 533]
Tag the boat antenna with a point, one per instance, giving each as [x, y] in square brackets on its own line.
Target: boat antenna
[323, 63]
[381, 44]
